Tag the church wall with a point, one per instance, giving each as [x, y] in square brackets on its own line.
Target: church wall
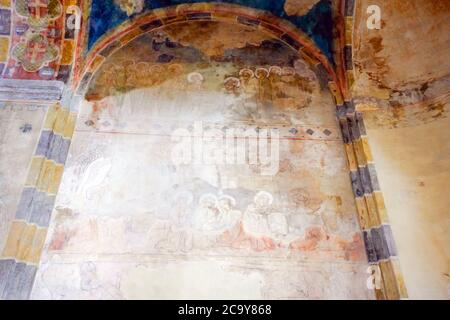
[412, 152]
[125, 220]
[130, 222]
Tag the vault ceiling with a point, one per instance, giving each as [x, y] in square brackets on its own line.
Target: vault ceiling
[404, 63]
[407, 60]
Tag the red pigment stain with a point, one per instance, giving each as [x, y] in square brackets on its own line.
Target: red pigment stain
[60, 239]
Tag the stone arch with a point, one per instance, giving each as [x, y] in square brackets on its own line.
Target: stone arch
[230, 13]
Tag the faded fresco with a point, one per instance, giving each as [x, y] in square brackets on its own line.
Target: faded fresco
[129, 222]
[207, 160]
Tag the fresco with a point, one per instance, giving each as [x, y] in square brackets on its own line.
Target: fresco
[37, 39]
[386, 71]
[312, 17]
[292, 233]
[45, 40]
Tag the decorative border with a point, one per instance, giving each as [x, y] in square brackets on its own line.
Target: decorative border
[54, 31]
[378, 238]
[31, 90]
[21, 255]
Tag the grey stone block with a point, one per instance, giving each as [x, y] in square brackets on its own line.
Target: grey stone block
[20, 282]
[6, 267]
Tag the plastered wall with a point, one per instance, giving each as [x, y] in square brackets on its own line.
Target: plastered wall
[20, 125]
[411, 149]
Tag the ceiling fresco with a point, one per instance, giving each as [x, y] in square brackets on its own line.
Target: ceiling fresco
[41, 40]
[52, 40]
[406, 61]
[312, 17]
[214, 56]
[402, 71]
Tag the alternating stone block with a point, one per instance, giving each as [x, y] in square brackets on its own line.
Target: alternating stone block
[381, 207]
[70, 126]
[14, 240]
[351, 158]
[25, 205]
[6, 268]
[370, 248]
[349, 30]
[363, 214]
[41, 209]
[349, 7]
[25, 242]
[60, 121]
[45, 141]
[51, 117]
[37, 163]
[357, 185]
[372, 210]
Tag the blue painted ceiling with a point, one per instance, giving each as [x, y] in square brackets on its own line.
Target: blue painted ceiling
[317, 23]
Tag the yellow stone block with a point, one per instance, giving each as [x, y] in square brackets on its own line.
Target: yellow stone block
[55, 180]
[47, 173]
[381, 207]
[4, 48]
[359, 152]
[35, 252]
[67, 53]
[366, 149]
[363, 215]
[400, 280]
[70, 125]
[351, 157]
[374, 220]
[60, 122]
[36, 166]
[51, 116]
[26, 242]
[13, 241]
[203, 6]
[350, 78]
[348, 30]
[390, 281]
[379, 294]
[5, 3]
[68, 3]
